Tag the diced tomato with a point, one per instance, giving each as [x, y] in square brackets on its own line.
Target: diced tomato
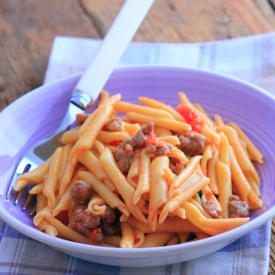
[63, 217]
[104, 127]
[115, 143]
[191, 116]
[152, 139]
[94, 234]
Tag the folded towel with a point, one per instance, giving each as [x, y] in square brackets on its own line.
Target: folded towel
[251, 59]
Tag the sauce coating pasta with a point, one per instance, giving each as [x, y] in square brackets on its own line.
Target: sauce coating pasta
[155, 176]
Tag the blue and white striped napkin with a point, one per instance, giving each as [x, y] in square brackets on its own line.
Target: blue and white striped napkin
[251, 59]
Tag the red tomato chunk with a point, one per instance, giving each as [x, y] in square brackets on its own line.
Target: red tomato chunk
[191, 116]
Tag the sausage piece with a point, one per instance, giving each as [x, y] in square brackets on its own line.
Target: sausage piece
[114, 124]
[80, 192]
[237, 208]
[210, 209]
[191, 143]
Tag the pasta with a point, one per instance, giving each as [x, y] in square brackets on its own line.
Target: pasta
[157, 175]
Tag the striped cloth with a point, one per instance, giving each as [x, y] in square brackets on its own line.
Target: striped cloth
[250, 58]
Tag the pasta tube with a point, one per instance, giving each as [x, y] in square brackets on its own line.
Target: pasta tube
[86, 140]
[240, 153]
[124, 107]
[224, 175]
[159, 105]
[184, 175]
[131, 237]
[107, 195]
[180, 199]
[211, 226]
[52, 179]
[143, 185]
[34, 176]
[158, 188]
[125, 189]
[163, 122]
[252, 149]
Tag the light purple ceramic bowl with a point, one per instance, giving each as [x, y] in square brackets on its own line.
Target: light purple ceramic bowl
[38, 113]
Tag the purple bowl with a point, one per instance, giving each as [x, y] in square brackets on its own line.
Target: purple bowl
[37, 114]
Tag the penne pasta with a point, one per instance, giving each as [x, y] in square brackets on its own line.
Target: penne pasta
[158, 189]
[157, 239]
[159, 105]
[207, 155]
[224, 175]
[89, 160]
[160, 175]
[86, 140]
[104, 97]
[133, 173]
[96, 205]
[65, 201]
[184, 196]
[211, 226]
[143, 185]
[252, 149]
[71, 136]
[121, 183]
[109, 137]
[162, 122]
[124, 107]
[34, 176]
[243, 159]
[52, 179]
[218, 120]
[131, 128]
[106, 194]
[211, 171]
[184, 175]
[131, 237]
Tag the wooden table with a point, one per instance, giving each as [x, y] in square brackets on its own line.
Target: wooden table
[27, 30]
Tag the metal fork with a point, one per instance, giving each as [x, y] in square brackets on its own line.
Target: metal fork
[91, 83]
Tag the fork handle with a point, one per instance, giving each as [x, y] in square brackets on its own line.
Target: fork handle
[107, 56]
[112, 47]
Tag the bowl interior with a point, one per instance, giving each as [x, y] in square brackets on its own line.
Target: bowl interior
[38, 113]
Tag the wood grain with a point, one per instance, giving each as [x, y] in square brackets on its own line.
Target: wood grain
[185, 21]
[28, 28]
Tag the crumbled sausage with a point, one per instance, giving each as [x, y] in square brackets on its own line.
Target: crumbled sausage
[95, 235]
[83, 221]
[108, 216]
[191, 143]
[142, 135]
[80, 192]
[125, 152]
[148, 128]
[210, 209]
[176, 165]
[108, 229]
[114, 125]
[161, 148]
[237, 208]
[124, 158]
[107, 219]
[94, 227]
[81, 117]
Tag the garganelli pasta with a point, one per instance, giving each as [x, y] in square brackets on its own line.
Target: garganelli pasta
[157, 175]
